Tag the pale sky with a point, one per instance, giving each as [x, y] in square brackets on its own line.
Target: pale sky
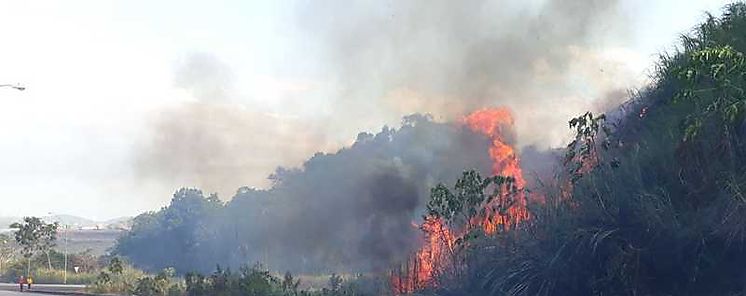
[99, 74]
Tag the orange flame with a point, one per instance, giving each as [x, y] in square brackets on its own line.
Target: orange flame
[495, 123]
[436, 254]
[421, 270]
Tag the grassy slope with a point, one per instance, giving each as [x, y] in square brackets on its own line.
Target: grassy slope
[662, 212]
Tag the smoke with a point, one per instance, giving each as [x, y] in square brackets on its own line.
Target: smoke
[353, 209]
[350, 210]
[215, 142]
[546, 60]
[206, 77]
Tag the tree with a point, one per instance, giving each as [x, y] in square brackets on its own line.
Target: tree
[85, 260]
[116, 266]
[48, 239]
[335, 282]
[472, 197]
[7, 250]
[290, 284]
[171, 237]
[34, 235]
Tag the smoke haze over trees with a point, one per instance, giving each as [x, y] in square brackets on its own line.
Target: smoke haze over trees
[448, 58]
[351, 210]
[385, 61]
[371, 63]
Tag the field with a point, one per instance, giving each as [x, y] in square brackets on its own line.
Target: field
[98, 241]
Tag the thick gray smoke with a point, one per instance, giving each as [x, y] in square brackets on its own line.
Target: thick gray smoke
[545, 59]
[351, 211]
[354, 209]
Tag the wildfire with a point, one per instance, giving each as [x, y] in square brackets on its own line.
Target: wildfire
[420, 271]
[436, 254]
[495, 123]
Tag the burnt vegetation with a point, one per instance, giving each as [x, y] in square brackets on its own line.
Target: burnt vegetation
[649, 200]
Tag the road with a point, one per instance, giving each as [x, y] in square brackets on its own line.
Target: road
[12, 289]
[16, 293]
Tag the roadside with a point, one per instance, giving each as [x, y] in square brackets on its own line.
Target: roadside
[48, 289]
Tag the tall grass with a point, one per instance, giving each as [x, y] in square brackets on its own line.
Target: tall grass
[54, 276]
[662, 211]
[119, 283]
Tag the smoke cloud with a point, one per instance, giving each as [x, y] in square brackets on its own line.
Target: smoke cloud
[379, 61]
[547, 60]
[353, 209]
[216, 142]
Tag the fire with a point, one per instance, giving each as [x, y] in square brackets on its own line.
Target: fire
[437, 253]
[495, 123]
[421, 270]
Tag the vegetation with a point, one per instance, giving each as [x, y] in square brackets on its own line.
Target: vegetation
[648, 200]
[257, 281]
[373, 189]
[7, 250]
[86, 263]
[51, 276]
[172, 237]
[33, 235]
[650, 204]
[120, 278]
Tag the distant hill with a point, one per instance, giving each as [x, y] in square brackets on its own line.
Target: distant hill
[82, 234]
[75, 222]
[6, 221]
[124, 223]
[72, 221]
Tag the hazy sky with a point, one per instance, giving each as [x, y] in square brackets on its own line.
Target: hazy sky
[111, 83]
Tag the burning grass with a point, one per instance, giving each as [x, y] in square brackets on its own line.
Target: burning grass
[649, 203]
[503, 208]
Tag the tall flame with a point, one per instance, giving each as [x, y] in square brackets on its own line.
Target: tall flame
[495, 123]
[436, 254]
[421, 270]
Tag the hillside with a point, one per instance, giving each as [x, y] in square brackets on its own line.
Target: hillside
[647, 202]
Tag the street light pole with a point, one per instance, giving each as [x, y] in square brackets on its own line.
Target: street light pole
[64, 229]
[15, 86]
[65, 270]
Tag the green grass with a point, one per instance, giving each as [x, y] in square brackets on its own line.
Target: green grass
[46, 276]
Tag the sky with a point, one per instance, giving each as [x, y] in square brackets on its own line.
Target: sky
[128, 100]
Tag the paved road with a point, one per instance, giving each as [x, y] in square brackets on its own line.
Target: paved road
[12, 289]
[16, 293]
